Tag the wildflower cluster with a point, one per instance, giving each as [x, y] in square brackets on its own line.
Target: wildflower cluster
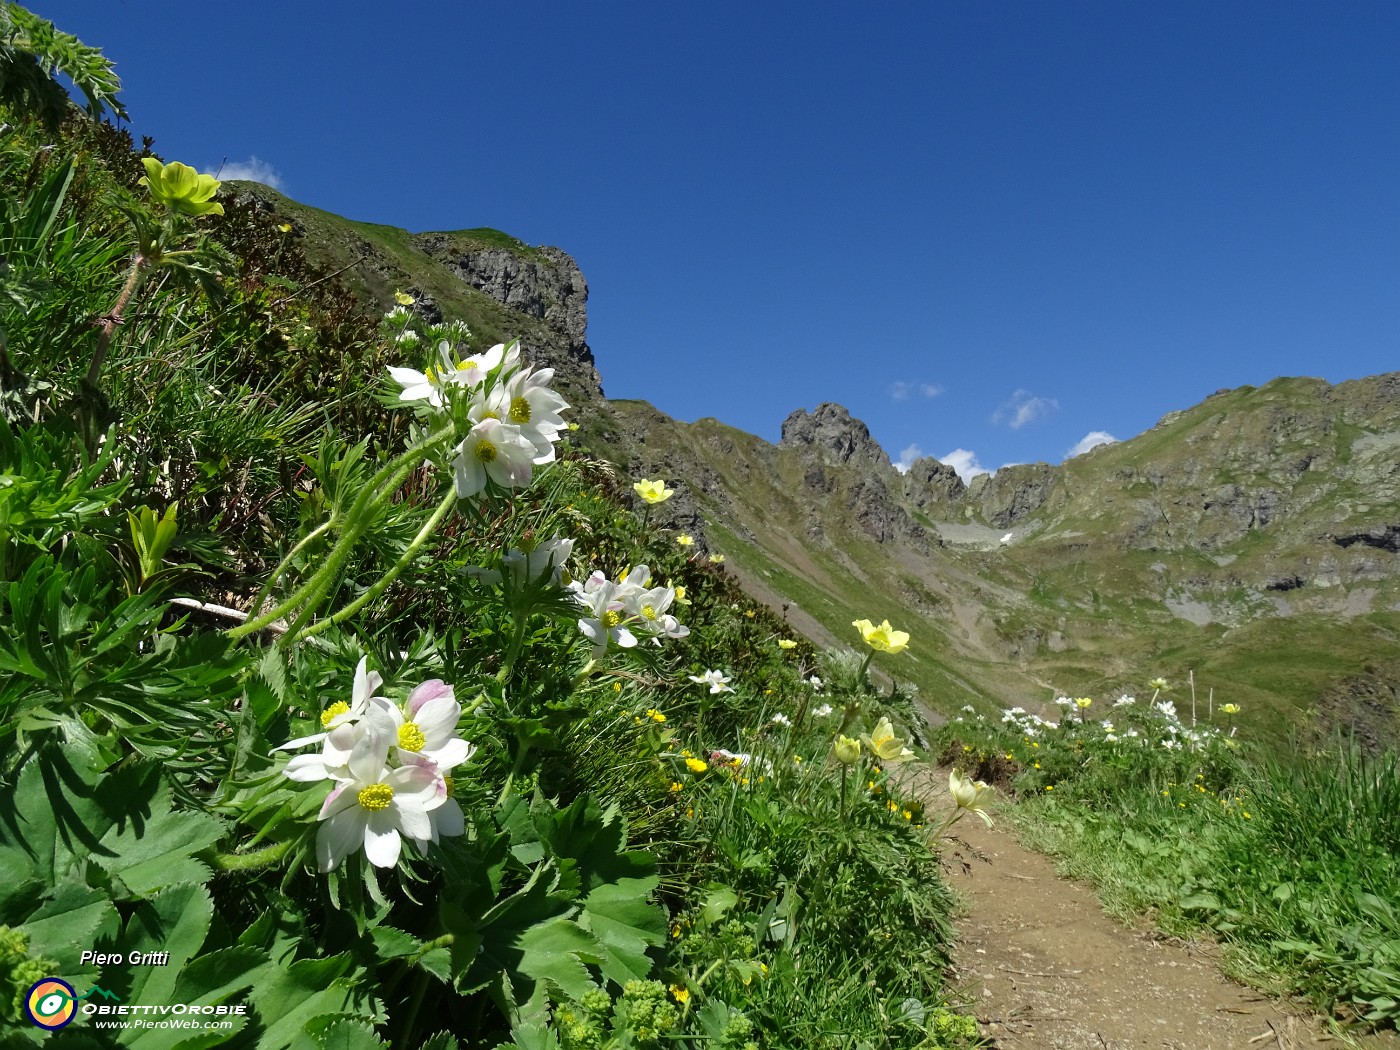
[619, 610]
[391, 769]
[505, 416]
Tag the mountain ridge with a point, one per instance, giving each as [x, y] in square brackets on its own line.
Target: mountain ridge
[1251, 538]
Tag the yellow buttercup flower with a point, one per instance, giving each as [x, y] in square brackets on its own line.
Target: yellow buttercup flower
[653, 491]
[685, 539]
[882, 638]
[681, 993]
[1082, 702]
[696, 765]
[655, 715]
[788, 643]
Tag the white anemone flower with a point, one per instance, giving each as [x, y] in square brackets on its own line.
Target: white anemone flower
[430, 733]
[600, 598]
[822, 712]
[374, 806]
[718, 681]
[493, 451]
[340, 713]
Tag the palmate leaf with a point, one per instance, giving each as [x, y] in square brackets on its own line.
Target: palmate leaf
[625, 923]
[288, 999]
[63, 830]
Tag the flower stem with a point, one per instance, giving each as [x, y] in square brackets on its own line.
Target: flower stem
[263, 858]
[429, 527]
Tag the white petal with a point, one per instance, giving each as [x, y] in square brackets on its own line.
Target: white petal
[307, 768]
[382, 842]
[438, 721]
[338, 838]
[453, 752]
[301, 741]
[448, 819]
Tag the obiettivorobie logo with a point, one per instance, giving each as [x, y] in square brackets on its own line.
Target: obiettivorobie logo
[51, 1003]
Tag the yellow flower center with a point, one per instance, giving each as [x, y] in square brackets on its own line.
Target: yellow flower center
[451, 786]
[519, 410]
[411, 738]
[611, 619]
[648, 612]
[485, 452]
[340, 707]
[432, 376]
[376, 797]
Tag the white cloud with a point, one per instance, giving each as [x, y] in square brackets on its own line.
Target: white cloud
[1093, 439]
[253, 170]
[901, 390]
[965, 463]
[907, 457]
[1024, 407]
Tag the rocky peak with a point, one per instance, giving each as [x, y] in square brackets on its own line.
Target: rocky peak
[932, 484]
[541, 283]
[833, 431]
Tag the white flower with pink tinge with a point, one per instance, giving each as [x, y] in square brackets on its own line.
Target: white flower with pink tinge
[374, 806]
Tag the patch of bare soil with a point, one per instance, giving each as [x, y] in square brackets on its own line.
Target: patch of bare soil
[1048, 970]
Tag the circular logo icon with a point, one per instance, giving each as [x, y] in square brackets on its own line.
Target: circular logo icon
[51, 1003]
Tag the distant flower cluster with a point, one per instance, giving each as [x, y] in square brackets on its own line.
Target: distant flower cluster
[617, 611]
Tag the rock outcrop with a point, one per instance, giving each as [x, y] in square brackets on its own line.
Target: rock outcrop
[541, 283]
[833, 431]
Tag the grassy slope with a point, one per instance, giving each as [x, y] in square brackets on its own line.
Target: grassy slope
[983, 622]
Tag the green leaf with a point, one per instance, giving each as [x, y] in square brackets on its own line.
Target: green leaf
[73, 919]
[555, 952]
[174, 921]
[157, 851]
[718, 900]
[625, 923]
[286, 999]
[1200, 901]
[338, 1033]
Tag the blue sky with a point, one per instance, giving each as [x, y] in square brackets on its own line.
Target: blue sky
[994, 228]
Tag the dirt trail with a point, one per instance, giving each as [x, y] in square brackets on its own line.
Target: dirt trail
[1048, 970]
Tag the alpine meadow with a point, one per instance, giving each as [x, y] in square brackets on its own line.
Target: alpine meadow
[363, 662]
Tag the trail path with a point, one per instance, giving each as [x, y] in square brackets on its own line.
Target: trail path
[1048, 970]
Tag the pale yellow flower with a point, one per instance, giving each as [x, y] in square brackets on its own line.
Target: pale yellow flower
[716, 559]
[971, 795]
[1082, 702]
[882, 638]
[403, 299]
[846, 750]
[788, 643]
[653, 491]
[884, 745]
[685, 539]
[1230, 709]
